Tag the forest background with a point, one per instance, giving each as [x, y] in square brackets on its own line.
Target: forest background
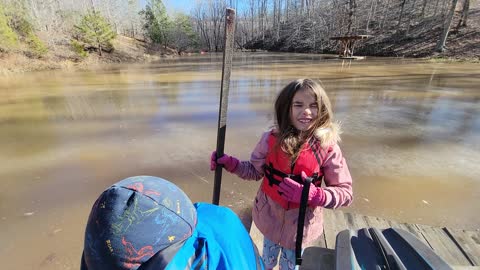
[51, 34]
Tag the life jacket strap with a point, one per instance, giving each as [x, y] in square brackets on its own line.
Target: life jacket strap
[270, 172]
[316, 151]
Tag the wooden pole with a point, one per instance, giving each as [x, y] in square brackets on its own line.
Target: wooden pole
[222, 114]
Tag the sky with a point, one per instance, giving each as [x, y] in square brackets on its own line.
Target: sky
[174, 5]
[184, 6]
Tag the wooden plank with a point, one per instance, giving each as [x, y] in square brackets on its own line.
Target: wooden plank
[354, 37]
[352, 57]
[377, 222]
[468, 242]
[257, 237]
[320, 241]
[412, 228]
[334, 222]
[355, 221]
[443, 245]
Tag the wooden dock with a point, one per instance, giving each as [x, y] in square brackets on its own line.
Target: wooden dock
[459, 248]
[347, 45]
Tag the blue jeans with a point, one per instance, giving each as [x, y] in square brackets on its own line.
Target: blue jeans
[270, 256]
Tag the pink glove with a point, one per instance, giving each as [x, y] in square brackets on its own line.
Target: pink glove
[228, 162]
[292, 192]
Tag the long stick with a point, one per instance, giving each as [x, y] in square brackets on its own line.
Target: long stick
[222, 114]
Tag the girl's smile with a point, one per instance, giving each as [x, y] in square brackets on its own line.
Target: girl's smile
[304, 110]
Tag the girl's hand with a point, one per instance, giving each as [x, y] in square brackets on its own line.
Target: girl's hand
[230, 163]
[292, 192]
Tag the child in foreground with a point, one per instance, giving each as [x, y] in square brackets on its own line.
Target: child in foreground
[303, 143]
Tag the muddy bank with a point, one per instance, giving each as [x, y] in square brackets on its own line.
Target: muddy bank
[61, 56]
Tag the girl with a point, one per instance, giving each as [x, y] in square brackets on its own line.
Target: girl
[304, 142]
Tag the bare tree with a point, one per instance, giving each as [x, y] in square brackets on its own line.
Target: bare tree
[463, 18]
[410, 15]
[252, 17]
[400, 16]
[371, 14]
[352, 5]
[262, 17]
[436, 8]
[201, 22]
[423, 8]
[386, 7]
[446, 27]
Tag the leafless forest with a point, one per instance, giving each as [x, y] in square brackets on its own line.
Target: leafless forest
[275, 25]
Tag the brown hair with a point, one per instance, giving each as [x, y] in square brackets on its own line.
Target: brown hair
[288, 137]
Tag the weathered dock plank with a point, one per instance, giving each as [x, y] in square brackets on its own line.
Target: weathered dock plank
[468, 242]
[377, 222]
[443, 245]
[459, 248]
[256, 236]
[320, 242]
[411, 228]
[355, 222]
[333, 223]
[382, 223]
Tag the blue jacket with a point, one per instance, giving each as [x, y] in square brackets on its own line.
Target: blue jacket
[219, 241]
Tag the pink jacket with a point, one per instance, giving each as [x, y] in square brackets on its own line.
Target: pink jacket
[280, 225]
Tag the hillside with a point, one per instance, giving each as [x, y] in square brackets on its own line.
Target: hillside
[61, 56]
[462, 43]
[417, 37]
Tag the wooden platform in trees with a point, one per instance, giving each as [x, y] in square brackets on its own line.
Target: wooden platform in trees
[347, 45]
[459, 248]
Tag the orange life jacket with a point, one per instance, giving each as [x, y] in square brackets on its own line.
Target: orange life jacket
[278, 166]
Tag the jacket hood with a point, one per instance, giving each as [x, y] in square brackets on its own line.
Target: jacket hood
[329, 136]
[134, 220]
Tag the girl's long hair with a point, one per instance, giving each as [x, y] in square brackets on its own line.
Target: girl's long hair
[289, 139]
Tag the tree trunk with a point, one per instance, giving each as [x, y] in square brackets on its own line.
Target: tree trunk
[423, 8]
[252, 18]
[400, 17]
[436, 8]
[463, 18]
[351, 15]
[262, 13]
[274, 14]
[99, 48]
[287, 6]
[371, 14]
[279, 14]
[444, 8]
[385, 10]
[446, 27]
[412, 14]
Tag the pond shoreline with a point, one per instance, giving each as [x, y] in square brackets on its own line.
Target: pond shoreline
[61, 57]
[20, 64]
[132, 51]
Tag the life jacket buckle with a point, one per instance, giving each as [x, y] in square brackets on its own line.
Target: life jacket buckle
[296, 177]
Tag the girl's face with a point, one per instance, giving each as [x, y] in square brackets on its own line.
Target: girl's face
[304, 109]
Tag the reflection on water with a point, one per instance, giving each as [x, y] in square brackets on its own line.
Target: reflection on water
[411, 138]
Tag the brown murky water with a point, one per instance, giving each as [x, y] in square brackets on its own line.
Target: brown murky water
[411, 138]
